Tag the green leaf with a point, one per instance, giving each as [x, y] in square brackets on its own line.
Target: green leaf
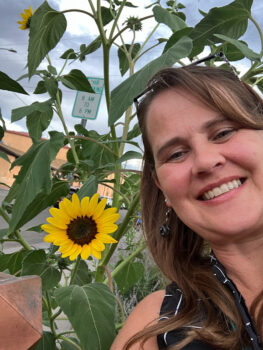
[83, 275]
[43, 201]
[35, 263]
[106, 15]
[34, 180]
[177, 36]
[68, 346]
[6, 83]
[3, 232]
[19, 113]
[46, 28]
[164, 16]
[230, 20]
[12, 262]
[136, 131]
[52, 69]
[47, 342]
[253, 56]
[123, 60]
[93, 46]
[4, 156]
[129, 155]
[90, 309]
[76, 80]
[41, 88]
[122, 96]
[89, 187]
[52, 87]
[35, 228]
[129, 276]
[69, 54]
[2, 132]
[37, 122]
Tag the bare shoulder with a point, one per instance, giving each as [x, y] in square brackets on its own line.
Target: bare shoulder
[144, 314]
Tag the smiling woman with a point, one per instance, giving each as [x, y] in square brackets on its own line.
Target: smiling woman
[202, 210]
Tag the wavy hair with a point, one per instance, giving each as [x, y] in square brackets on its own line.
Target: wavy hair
[183, 257]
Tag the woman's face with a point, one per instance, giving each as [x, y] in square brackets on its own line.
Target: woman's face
[209, 168]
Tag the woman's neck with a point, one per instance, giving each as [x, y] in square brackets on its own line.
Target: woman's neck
[244, 265]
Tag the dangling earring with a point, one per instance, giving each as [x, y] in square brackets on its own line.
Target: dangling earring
[165, 228]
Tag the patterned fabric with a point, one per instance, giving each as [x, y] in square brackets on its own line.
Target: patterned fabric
[173, 302]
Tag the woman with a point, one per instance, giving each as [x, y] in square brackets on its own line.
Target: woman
[202, 210]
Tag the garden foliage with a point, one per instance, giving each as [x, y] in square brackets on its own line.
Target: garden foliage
[88, 292]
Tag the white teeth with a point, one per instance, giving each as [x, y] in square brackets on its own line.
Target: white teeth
[217, 191]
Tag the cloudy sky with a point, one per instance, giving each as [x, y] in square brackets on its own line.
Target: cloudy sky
[80, 30]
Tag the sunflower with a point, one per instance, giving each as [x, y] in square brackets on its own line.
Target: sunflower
[81, 227]
[25, 24]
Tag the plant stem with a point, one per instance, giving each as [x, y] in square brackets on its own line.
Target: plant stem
[49, 310]
[92, 140]
[17, 233]
[100, 271]
[259, 31]
[125, 262]
[22, 241]
[66, 332]
[70, 341]
[77, 10]
[116, 19]
[128, 27]
[61, 117]
[75, 269]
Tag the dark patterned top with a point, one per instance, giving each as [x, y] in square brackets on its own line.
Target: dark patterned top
[172, 304]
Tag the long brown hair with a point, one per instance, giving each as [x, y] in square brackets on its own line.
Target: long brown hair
[182, 256]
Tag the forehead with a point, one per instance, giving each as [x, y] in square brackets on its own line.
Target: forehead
[175, 105]
[176, 112]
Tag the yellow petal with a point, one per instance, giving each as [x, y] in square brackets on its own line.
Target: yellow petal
[76, 203]
[100, 208]
[110, 219]
[86, 251]
[52, 229]
[67, 207]
[106, 228]
[60, 215]
[70, 250]
[96, 254]
[97, 245]
[105, 238]
[84, 205]
[75, 254]
[66, 245]
[93, 204]
[107, 213]
[57, 223]
[67, 248]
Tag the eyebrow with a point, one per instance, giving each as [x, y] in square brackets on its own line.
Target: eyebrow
[179, 140]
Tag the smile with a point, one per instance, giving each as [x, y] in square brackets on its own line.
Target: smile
[226, 187]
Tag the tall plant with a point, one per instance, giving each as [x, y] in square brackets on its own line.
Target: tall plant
[72, 284]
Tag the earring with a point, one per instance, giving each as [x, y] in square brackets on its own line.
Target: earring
[165, 228]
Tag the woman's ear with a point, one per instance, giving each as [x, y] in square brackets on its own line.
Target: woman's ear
[157, 183]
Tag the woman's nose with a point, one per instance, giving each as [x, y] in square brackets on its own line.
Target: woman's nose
[207, 157]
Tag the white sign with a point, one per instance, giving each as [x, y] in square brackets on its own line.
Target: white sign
[86, 104]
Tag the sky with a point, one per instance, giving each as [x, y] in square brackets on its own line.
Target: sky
[80, 29]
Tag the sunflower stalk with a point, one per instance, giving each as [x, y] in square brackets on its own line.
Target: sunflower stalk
[120, 232]
[17, 233]
[74, 271]
[125, 262]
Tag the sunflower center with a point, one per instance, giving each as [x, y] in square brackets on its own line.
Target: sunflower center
[82, 230]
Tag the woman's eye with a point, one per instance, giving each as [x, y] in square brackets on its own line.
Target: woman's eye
[176, 156]
[224, 134]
